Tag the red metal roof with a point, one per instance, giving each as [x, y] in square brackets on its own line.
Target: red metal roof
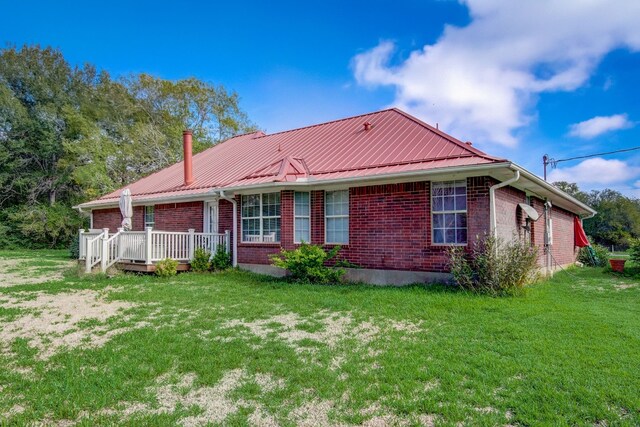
[395, 142]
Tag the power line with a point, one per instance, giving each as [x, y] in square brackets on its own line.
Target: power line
[546, 160]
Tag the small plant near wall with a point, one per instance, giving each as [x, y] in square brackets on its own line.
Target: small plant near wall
[634, 251]
[221, 259]
[598, 256]
[306, 264]
[167, 268]
[201, 261]
[494, 267]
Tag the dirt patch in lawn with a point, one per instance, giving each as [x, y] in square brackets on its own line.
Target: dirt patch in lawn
[13, 272]
[53, 321]
[215, 404]
[326, 328]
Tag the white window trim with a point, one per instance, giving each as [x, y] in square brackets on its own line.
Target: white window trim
[146, 224]
[261, 218]
[336, 216]
[449, 212]
[296, 216]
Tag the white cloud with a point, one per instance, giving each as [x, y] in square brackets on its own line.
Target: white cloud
[480, 81]
[596, 172]
[599, 125]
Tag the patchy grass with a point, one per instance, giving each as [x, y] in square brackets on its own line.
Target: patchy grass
[240, 349]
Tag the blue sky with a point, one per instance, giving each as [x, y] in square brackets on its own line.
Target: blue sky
[519, 79]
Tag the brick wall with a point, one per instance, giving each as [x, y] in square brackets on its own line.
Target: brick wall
[563, 250]
[168, 217]
[509, 217]
[389, 226]
[107, 218]
[179, 216]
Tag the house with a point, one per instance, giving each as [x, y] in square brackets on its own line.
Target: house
[393, 191]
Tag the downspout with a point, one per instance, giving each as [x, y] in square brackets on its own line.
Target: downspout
[492, 202]
[235, 226]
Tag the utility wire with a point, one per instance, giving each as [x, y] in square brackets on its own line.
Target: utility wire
[554, 161]
[599, 154]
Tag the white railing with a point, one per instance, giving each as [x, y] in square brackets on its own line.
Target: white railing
[132, 245]
[146, 246]
[93, 248]
[85, 236]
[110, 250]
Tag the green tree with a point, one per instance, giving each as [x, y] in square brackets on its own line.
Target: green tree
[69, 134]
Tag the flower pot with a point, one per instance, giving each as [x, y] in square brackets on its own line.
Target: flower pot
[617, 264]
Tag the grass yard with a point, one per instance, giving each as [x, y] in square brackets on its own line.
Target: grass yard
[240, 349]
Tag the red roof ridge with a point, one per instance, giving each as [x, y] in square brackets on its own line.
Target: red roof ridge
[327, 123]
[445, 135]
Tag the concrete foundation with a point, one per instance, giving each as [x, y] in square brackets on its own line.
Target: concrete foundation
[365, 275]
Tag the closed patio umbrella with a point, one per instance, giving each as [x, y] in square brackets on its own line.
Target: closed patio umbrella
[126, 209]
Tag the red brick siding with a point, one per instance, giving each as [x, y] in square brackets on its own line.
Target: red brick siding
[509, 217]
[478, 207]
[563, 249]
[168, 217]
[225, 216]
[317, 217]
[107, 218]
[389, 226]
[179, 216]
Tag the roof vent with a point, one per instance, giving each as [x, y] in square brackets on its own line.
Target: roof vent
[367, 125]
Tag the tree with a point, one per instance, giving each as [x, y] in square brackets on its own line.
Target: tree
[69, 134]
[618, 219]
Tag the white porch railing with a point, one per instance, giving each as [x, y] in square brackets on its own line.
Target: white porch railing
[98, 247]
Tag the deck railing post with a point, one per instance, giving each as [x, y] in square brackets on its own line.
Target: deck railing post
[105, 250]
[119, 242]
[227, 241]
[81, 249]
[148, 245]
[87, 259]
[192, 242]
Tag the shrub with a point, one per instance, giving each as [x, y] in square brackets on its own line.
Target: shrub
[167, 267]
[74, 248]
[221, 259]
[201, 261]
[494, 267]
[600, 259]
[306, 264]
[634, 251]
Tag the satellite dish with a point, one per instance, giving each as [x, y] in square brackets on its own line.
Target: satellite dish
[529, 211]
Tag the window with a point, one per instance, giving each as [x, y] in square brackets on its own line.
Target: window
[302, 217]
[336, 209]
[261, 218]
[449, 212]
[149, 216]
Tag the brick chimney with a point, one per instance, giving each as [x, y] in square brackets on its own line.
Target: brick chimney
[188, 163]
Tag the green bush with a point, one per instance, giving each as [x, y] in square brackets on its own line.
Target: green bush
[221, 259]
[74, 248]
[494, 267]
[601, 256]
[306, 264]
[201, 261]
[634, 251]
[167, 268]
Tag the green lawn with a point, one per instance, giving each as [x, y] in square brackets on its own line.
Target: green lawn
[240, 349]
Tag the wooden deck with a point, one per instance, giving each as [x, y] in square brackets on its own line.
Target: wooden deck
[138, 267]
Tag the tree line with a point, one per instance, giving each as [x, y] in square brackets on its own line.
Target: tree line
[69, 134]
[618, 219]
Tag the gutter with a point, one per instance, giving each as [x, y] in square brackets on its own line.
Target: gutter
[235, 226]
[364, 179]
[492, 201]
